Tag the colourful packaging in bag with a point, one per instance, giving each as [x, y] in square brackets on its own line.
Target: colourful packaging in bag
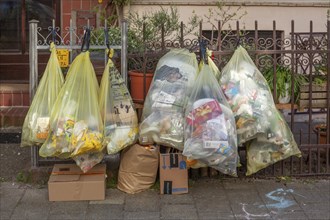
[204, 112]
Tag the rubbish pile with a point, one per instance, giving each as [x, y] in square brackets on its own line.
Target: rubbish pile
[202, 113]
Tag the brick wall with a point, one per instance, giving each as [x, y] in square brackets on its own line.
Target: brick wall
[14, 95]
[74, 8]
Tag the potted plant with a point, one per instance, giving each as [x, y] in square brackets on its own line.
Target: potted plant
[321, 131]
[284, 83]
[146, 31]
[316, 88]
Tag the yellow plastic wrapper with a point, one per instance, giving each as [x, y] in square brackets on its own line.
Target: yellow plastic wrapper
[76, 127]
[36, 124]
[117, 110]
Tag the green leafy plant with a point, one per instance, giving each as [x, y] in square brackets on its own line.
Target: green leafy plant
[23, 177]
[284, 81]
[320, 76]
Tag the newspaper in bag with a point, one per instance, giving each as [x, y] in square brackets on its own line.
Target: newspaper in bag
[117, 111]
[163, 111]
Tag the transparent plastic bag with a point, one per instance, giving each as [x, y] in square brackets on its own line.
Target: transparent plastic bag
[76, 127]
[163, 111]
[117, 111]
[88, 160]
[210, 133]
[257, 117]
[36, 124]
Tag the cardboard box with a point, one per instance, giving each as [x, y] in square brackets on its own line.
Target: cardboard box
[173, 174]
[68, 183]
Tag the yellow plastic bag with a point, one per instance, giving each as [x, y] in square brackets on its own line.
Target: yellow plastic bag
[36, 124]
[75, 125]
[117, 111]
[212, 65]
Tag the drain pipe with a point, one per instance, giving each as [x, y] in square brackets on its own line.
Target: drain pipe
[33, 77]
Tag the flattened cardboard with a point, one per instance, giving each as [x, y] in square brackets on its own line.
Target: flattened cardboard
[68, 183]
[173, 174]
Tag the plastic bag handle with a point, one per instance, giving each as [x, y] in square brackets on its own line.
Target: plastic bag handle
[53, 35]
[202, 45]
[86, 39]
[238, 42]
[106, 34]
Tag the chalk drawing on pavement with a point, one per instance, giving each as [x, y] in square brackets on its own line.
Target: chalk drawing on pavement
[280, 197]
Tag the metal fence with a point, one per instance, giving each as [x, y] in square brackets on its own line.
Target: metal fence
[301, 53]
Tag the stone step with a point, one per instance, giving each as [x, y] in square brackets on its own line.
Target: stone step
[12, 118]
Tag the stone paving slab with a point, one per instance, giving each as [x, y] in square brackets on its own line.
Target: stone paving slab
[112, 197]
[177, 199]
[220, 204]
[142, 215]
[145, 201]
[105, 211]
[68, 210]
[260, 199]
[216, 215]
[178, 211]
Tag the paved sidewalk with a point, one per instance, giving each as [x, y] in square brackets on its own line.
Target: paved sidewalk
[207, 199]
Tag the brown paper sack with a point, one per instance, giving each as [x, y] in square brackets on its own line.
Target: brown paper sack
[138, 168]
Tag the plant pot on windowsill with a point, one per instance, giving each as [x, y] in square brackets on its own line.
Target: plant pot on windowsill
[138, 83]
[321, 131]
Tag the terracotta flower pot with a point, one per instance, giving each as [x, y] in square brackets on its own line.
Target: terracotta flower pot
[137, 85]
[321, 129]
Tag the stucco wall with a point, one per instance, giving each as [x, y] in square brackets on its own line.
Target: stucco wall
[263, 14]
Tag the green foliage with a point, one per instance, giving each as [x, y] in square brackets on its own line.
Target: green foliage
[111, 183]
[147, 28]
[226, 15]
[23, 177]
[283, 77]
[284, 179]
[156, 186]
[121, 2]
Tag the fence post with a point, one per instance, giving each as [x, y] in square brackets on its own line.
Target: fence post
[328, 83]
[33, 77]
[124, 51]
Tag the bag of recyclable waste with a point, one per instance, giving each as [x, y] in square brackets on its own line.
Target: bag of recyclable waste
[138, 168]
[163, 111]
[76, 127]
[36, 124]
[88, 160]
[213, 66]
[117, 111]
[210, 133]
[256, 115]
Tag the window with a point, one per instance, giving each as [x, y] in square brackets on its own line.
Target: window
[14, 21]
